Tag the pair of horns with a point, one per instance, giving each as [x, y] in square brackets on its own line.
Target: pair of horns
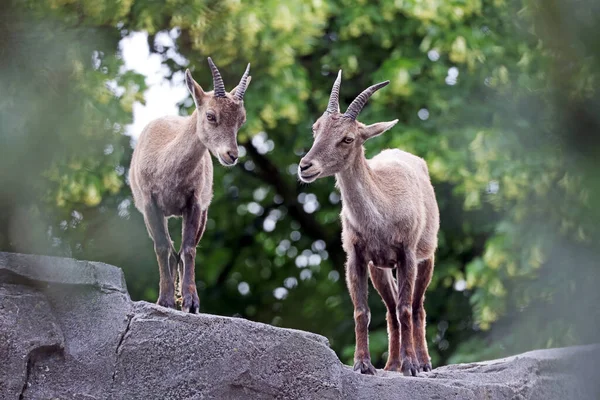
[220, 86]
[359, 102]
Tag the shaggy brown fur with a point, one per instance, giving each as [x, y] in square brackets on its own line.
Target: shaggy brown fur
[390, 219]
[171, 174]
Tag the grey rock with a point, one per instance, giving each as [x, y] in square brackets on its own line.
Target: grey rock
[28, 331]
[68, 329]
[75, 312]
[62, 270]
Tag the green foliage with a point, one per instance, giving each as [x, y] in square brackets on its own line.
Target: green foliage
[497, 95]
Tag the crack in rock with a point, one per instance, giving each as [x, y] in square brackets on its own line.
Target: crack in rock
[121, 340]
[35, 355]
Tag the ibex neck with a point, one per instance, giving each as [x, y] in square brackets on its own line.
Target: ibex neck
[359, 188]
[187, 145]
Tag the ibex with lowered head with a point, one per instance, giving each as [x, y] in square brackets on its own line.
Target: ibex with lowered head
[171, 174]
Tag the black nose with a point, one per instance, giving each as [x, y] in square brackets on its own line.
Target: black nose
[305, 167]
[232, 156]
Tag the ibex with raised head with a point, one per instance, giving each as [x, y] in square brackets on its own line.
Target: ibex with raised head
[390, 219]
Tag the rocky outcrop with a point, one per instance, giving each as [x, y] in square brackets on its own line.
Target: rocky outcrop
[68, 330]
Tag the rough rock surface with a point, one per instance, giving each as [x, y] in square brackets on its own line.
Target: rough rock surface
[68, 330]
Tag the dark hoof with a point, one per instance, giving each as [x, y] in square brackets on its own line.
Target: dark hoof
[424, 361]
[365, 367]
[190, 303]
[395, 366]
[166, 301]
[410, 366]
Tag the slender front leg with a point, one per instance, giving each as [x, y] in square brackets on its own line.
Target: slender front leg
[157, 227]
[424, 275]
[193, 222]
[356, 278]
[199, 234]
[383, 280]
[406, 281]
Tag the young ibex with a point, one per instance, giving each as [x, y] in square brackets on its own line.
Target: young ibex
[390, 219]
[171, 174]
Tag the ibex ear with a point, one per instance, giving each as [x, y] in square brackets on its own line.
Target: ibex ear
[235, 88]
[369, 131]
[195, 89]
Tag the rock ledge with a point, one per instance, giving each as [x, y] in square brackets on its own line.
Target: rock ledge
[68, 329]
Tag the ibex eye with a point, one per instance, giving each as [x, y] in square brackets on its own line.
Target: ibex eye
[211, 117]
[347, 140]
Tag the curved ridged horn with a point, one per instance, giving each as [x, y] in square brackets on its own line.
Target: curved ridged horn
[217, 80]
[334, 98]
[241, 88]
[359, 102]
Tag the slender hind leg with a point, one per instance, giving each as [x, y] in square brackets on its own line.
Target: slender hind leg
[384, 283]
[157, 228]
[425, 271]
[202, 226]
[174, 262]
[194, 221]
[406, 280]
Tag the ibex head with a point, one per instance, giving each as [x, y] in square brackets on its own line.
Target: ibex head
[338, 138]
[220, 114]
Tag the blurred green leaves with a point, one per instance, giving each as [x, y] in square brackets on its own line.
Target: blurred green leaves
[499, 97]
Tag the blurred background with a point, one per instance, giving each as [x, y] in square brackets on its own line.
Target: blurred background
[500, 97]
